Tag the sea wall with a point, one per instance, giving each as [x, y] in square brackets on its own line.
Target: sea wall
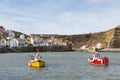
[34, 49]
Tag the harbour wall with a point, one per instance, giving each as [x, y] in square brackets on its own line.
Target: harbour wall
[34, 49]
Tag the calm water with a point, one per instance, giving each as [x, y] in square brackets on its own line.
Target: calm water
[59, 66]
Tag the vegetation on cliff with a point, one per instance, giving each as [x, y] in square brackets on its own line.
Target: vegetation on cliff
[108, 39]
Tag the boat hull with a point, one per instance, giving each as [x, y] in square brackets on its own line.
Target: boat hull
[36, 64]
[99, 61]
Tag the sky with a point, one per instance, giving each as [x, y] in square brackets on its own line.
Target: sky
[64, 17]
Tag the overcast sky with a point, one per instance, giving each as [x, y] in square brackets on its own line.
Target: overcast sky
[59, 16]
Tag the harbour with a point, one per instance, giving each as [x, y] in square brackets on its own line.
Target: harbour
[59, 66]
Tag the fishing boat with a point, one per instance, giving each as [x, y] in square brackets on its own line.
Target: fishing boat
[98, 61]
[36, 61]
[37, 64]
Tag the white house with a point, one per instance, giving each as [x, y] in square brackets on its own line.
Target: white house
[3, 43]
[22, 36]
[14, 43]
[44, 44]
[11, 34]
[98, 45]
[22, 43]
[36, 41]
[84, 47]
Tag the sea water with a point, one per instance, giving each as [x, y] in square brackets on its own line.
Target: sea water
[59, 66]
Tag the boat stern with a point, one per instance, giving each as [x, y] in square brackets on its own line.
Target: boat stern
[105, 61]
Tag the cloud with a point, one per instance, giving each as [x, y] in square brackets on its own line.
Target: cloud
[71, 23]
[55, 17]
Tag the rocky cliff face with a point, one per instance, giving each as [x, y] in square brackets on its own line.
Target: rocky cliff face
[109, 39]
[115, 41]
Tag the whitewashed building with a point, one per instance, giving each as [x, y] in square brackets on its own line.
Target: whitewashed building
[3, 43]
[14, 43]
[99, 45]
[22, 36]
[22, 43]
[36, 40]
[84, 47]
[11, 34]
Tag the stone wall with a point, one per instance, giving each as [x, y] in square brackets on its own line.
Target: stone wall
[34, 49]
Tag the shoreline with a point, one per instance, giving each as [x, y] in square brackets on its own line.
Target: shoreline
[86, 50]
[110, 50]
[102, 50]
[33, 49]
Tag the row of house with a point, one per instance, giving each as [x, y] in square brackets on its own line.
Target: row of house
[13, 43]
[8, 40]
[49, 41]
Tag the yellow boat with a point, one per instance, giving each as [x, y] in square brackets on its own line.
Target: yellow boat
[36, 61]
[37, 64]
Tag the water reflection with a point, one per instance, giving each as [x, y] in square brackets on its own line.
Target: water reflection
[101, 66]
[35, 69]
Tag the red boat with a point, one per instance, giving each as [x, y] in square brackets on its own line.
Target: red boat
[98, 61]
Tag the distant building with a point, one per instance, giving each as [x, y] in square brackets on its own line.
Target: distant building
[11, 34]
[84, 46]
[36, 41]
[3, 43]
[14, 43]
[98, 45]
[22, 43]
[22, 36]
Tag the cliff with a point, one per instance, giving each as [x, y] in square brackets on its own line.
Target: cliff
[115, 41]
[108, 39]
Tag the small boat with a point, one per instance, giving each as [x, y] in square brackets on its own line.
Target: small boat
[99, 61]
[36, 61]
